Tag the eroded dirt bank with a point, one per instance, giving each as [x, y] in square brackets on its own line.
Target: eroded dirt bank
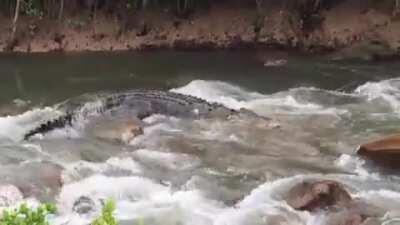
[360, 32]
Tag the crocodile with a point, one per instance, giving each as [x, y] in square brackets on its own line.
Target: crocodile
[138, 103]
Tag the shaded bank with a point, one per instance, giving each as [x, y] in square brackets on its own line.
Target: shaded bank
[364, 29]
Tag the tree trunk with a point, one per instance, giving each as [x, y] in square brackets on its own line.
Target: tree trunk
[178, 7]
[316, 5]
[396, 8]
[15, 20]
[259, 5]
[60, 13]
[94, 17]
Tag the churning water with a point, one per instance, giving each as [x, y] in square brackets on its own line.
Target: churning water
[213, 171]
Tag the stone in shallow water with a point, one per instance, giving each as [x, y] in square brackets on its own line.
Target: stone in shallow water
[41, 180]
[331, 200]
[314, 196]
[348, 217]
[83, 205]
[9, 195]
[357, 212]
[384, 152]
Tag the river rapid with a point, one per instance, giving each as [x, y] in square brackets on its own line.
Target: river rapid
[207, 171]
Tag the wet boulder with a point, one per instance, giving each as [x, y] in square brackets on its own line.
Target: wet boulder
[41, 180]
[385, 151]
[347, 217]
[9, 195]
[332, 204]
[344, 217]
[83, 205]
[356, 213]
[318, 195]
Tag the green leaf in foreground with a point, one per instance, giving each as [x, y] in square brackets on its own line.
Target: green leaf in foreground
[106, 217]
[27, 216]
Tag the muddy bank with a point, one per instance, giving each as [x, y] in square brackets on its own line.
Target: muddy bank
[363, 33]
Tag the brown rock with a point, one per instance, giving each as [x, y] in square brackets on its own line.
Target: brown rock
[83, 205]
[330, 196]
[356, 213]
[9, 195]
[41, 180]
[319, 195]
[345, 218]
[385, 151]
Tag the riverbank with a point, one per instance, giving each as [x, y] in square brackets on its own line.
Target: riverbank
[373, 32]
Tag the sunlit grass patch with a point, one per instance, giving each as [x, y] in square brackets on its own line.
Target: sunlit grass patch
[27, 216]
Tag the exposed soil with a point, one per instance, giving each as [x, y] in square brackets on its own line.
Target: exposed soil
[343, 26]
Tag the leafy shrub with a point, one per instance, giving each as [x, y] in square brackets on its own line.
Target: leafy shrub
[31, 8]
[106, 217]
[27, 216]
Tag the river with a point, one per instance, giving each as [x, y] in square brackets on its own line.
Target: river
[207, 171]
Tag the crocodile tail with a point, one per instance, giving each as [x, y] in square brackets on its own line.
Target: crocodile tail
[50, 125]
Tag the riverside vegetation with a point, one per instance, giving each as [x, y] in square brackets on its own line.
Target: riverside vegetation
[312, 25]
[25, 215]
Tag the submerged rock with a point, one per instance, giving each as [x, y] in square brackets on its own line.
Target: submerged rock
[319, 195]
[367, 50]
[385, 151]
[357, 212]
[348, 217]
[41, 180]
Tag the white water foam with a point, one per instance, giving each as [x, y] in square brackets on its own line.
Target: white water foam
[236, 98]
[14, 127]
[156, 125]
[141, 200]
[354, 164]
[172, 161]
[138, 199]
[78, 170]
[125, 188]
[386, 90]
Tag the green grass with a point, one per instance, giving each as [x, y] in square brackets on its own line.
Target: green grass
[38, 216]
[106, 217]
[27, 216]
